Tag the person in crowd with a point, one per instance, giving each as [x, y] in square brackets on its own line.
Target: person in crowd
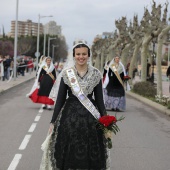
[60, 68]
[46, 77]
[127, 68]
[168, 72]
[113, 83]
[1, 68]
[30, 65]
[76, 141]
[148, 70]
[5, 65]
[22, 67]
[8, 61]
[11, 66]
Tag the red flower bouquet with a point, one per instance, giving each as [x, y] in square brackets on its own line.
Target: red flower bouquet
[108, 125]
[126, 78]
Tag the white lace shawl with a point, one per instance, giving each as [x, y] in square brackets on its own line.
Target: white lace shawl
[88, 82]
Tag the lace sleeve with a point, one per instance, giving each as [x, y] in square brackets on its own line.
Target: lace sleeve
[61, 98]
[98, 93]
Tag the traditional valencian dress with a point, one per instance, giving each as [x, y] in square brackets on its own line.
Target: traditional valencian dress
[46, 77]
[113, 83]
[77, 143]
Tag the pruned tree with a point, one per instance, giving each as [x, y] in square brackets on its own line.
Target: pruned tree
[161, 39]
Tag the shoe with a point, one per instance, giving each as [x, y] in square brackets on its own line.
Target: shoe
[113, 109]
[44, 106]
[119, 110]
[48, 107]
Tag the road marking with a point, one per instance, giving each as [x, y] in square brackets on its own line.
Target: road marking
[32, 128]
[25, 142]
[15, 162]
[37, 118]
[41, 110]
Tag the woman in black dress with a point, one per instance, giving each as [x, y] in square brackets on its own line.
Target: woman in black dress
[113, 83]
[46, 77]
[76, 142]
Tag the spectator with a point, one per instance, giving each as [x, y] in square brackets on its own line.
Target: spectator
[30, 65]
[168, 72]
[8, 61]
[5, 65]
[1, 68]
[148, 71]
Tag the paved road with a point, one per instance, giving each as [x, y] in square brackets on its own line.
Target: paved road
[142, 144]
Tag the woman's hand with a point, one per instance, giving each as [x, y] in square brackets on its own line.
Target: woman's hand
[51, 128]
[108, 134]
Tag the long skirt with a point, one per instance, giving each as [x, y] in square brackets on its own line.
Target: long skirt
[114, 100]
[77, 143]
[40, 99]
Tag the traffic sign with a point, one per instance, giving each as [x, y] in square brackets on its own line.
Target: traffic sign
[37, 54]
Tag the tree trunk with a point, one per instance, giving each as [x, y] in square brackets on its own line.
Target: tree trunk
[102, 61]
[97, 62]
[125, 54]
[144, 51]
[134, 60]
[161, 39]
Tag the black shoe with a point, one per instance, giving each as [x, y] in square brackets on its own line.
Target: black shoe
[119, 110]
[113, 109]
[44, 107]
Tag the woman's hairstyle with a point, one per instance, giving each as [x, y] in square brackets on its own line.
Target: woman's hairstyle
[79, 46]
[47, 58]
[116, 55]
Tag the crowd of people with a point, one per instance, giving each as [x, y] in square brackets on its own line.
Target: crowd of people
[22, 66]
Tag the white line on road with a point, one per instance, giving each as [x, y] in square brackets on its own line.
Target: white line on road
[25, 142]
[37, 118]
[15, 162]
[41, 110]
[32, 128]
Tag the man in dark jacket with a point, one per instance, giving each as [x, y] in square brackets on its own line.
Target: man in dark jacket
[168, 72]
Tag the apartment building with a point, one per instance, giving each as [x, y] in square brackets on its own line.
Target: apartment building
[52, 28]
[26, 28]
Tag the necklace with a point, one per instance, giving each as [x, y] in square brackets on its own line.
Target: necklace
[82, 72]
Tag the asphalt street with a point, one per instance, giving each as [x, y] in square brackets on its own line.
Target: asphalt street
[143, 142]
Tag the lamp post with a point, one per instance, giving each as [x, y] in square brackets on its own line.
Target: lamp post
[44, 41]
[37, 54]
[153, 60]
[53, 51]
[49, 39]
[16, 40]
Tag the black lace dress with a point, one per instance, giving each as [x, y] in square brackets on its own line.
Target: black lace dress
[77, 142]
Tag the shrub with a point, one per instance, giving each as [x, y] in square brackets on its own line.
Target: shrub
[145, 88]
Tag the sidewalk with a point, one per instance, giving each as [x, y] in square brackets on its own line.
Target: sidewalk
[5, 85]
[157, 106]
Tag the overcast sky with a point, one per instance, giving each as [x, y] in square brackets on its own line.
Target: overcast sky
[80, 19]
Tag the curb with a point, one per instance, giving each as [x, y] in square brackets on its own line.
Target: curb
[14, 86]
[148, 102]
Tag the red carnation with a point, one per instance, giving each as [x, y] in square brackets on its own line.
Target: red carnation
[126, 77]
[107, 120]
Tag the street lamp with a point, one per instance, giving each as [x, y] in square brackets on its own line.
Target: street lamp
[153, 59]
[49, 39]
[16, 39]
[37, 54]
[53, 51]
[44, 41]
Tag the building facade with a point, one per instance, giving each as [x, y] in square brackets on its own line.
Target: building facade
[26, 28]
[52, 28]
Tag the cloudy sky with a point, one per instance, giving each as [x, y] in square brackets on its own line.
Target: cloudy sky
[80, 19]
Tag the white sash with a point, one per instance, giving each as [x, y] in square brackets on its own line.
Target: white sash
[75, 87]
